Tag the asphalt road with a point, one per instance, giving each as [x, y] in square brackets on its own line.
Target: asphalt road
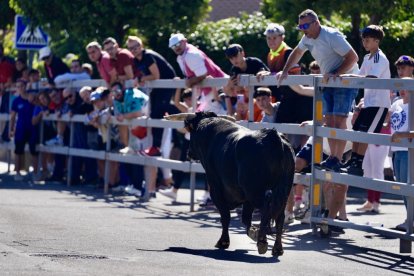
[51, 229]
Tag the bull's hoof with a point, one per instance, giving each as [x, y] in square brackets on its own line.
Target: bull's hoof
[277, 252]
[253, 233]
[262, 247]
[222, 244]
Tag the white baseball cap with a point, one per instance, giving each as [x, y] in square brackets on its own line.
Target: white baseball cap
[44, 52]
[174, 39]
[274, 28]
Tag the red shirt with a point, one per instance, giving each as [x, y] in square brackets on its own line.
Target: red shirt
[104, 66]
[123, 59]
[6, 70]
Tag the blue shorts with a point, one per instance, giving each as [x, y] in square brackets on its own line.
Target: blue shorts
[338, 101]
[306, 153]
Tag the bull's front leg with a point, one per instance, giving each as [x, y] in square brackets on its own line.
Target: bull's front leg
[264, 223]
[224, 241]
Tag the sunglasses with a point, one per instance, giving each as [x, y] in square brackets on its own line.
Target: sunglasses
[305, 26]
[45, 58]
[176, 45]
[133, 48]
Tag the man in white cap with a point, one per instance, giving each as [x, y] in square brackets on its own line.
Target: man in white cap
[54, 66]
[196, 66]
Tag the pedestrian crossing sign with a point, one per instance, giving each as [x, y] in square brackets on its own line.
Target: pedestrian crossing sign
[28, 37]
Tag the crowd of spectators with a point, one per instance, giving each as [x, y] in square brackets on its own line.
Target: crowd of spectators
[21, 96]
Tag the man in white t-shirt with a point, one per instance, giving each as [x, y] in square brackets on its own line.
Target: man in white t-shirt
[376, 102]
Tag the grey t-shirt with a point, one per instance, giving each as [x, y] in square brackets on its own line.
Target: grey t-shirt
[271, 118]
[328, 49]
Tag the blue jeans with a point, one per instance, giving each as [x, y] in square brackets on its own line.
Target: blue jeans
[338, 101]
[400, 163]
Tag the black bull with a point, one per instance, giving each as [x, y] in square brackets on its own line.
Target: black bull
[252, 168]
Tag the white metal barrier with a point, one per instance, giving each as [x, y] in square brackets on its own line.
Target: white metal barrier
[315, 179]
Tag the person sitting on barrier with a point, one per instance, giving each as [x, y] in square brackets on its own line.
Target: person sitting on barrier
[399, 123]
[22, 130]
[42, 110]
[335, 56]
[241, 65]
[130, 104]
[102, 61]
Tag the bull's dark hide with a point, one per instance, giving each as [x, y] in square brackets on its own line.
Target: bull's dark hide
[243, 167]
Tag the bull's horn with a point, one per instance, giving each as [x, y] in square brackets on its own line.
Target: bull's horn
[227, 117]
[178, 117]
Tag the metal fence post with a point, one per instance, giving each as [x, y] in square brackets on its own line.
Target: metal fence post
[406, 245]
[317, 149]
[70, 161]
[192, 190]
[107, 167]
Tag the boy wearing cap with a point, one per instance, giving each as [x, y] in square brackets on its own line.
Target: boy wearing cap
[278, 54]
[241, 65]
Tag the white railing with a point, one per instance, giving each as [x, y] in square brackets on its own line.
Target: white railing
[314, 180]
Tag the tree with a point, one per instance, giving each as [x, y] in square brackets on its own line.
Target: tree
[359, 13]
[72, 24]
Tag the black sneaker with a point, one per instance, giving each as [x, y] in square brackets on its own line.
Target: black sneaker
[331, 164]
[355, 168]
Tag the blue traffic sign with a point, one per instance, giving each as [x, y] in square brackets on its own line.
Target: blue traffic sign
[28, 37]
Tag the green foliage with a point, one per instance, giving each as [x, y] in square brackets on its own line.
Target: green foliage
[72, 24]
[351, 16]
[246, 30]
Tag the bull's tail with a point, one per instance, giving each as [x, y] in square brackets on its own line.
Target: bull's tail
[282, 189]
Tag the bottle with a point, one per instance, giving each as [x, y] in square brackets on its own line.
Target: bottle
[374, 224]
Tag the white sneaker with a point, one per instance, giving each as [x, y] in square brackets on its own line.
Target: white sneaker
[126, 150]
[118, 189]
[169, 193]
[375, 207]
[131, 190]
[18, 177]
[57, 141]
[204, 197]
